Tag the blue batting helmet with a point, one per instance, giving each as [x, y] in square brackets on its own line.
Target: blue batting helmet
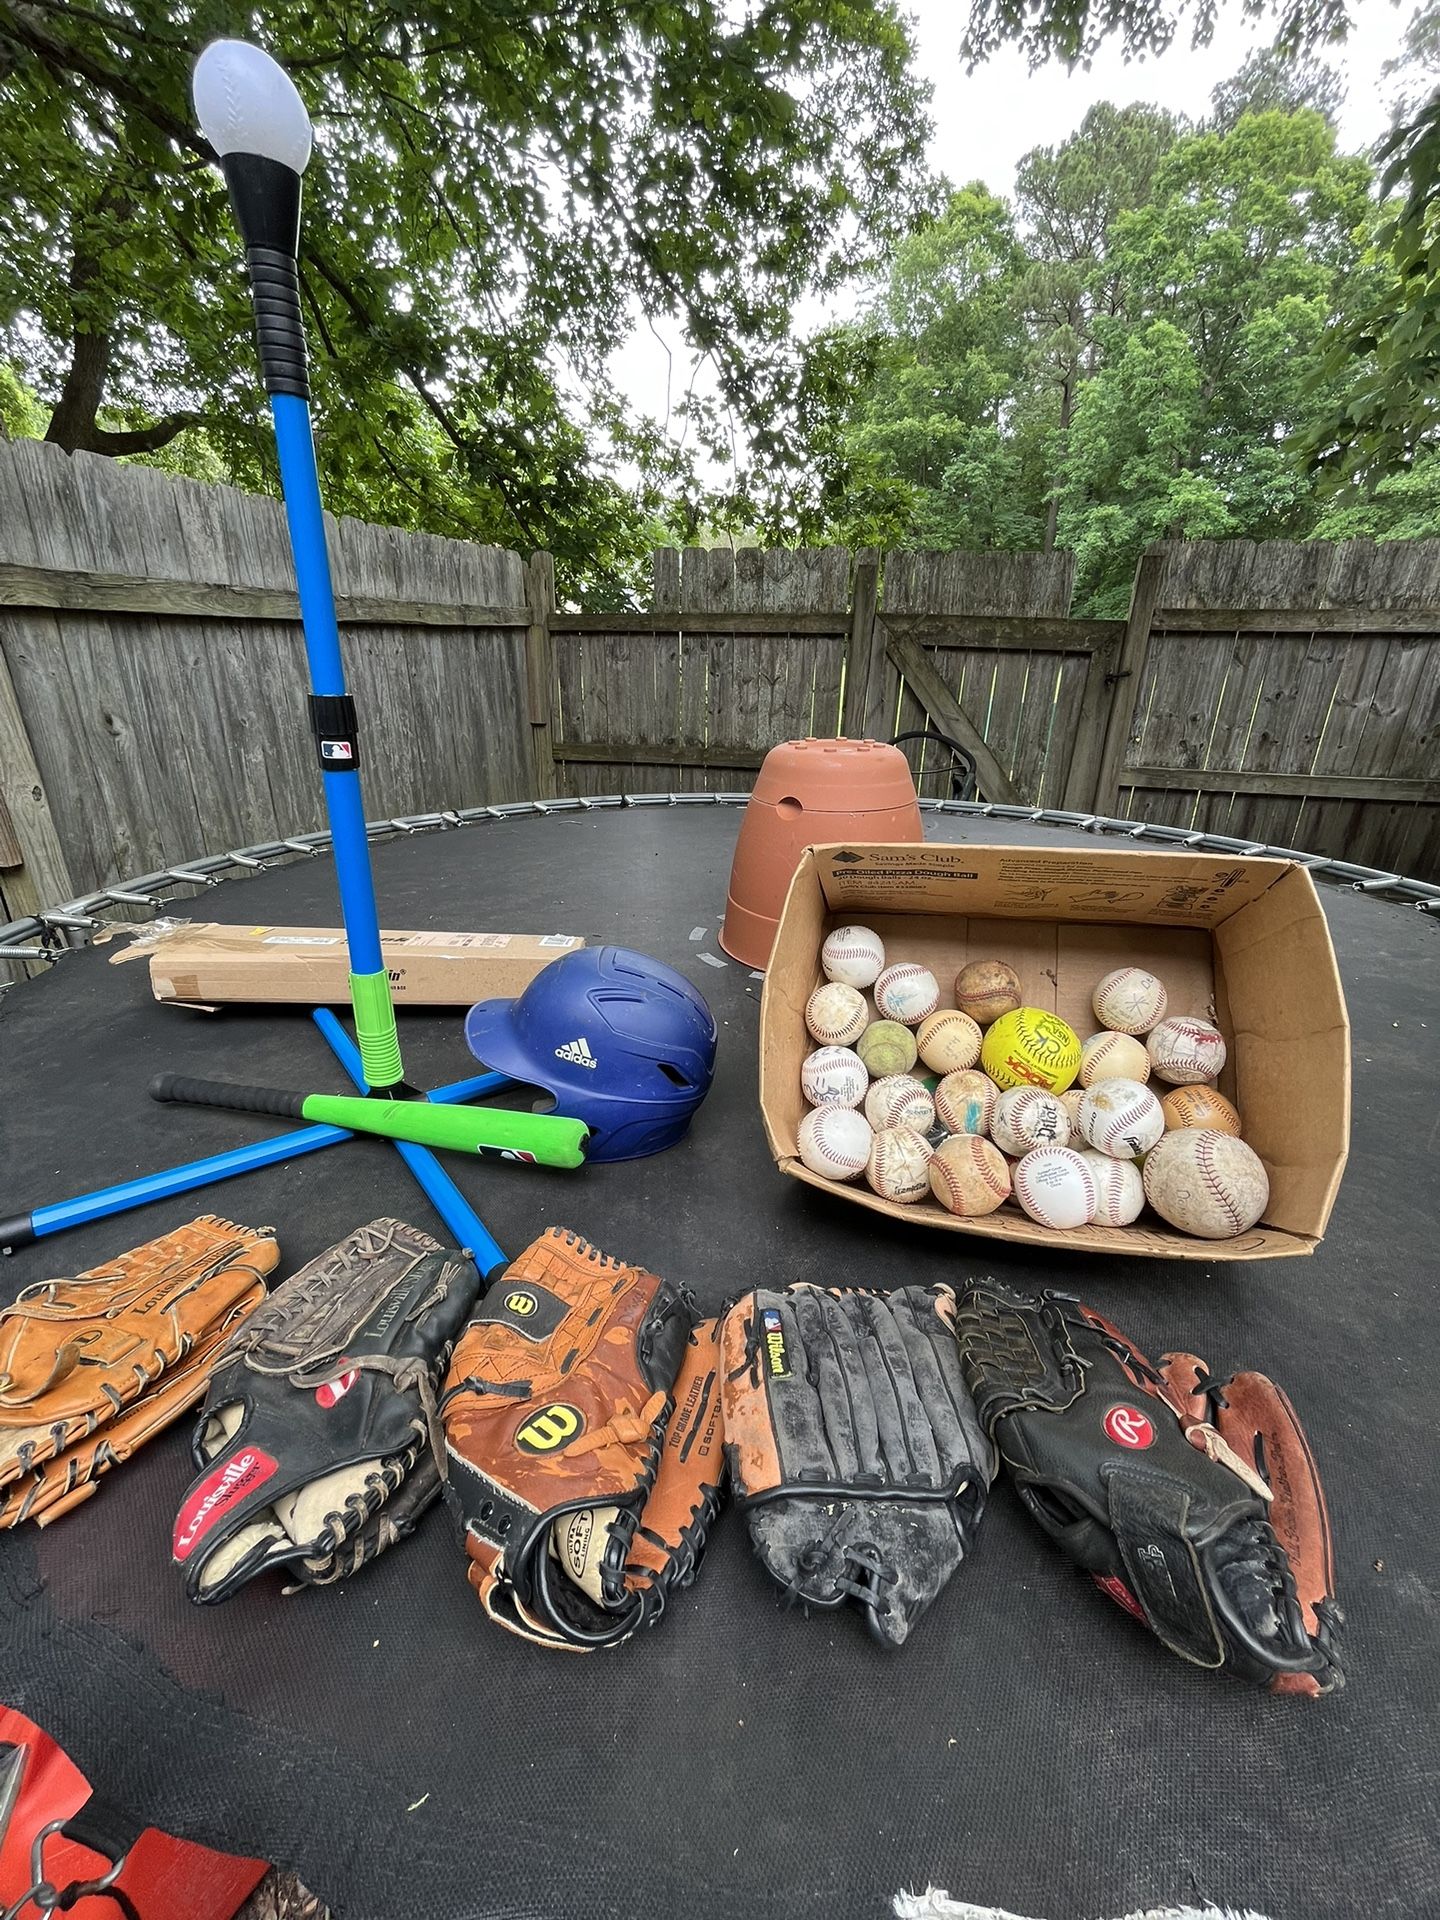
[622, 1042]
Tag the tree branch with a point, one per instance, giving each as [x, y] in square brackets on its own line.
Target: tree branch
[22, 21]
[142, 439]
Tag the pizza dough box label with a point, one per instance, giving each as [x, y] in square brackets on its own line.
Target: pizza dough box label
[205, 964]
[1242, 941]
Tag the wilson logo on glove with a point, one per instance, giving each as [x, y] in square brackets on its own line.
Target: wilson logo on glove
[232, 1480]
[523, 1304]
[553, 1427]
[1128, 1427]
[331, 1391]
[775, 1345]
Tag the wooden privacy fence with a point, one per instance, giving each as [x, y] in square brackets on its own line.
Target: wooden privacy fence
[152, 678]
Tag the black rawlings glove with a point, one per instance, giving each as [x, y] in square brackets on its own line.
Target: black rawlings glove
[1197, 1506]
[319, 1437]
[853, 1445]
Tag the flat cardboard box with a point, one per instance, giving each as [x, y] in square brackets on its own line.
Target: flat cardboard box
[202, 964]
[1242, 940]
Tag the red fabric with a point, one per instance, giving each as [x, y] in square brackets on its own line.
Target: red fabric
[166, 1878]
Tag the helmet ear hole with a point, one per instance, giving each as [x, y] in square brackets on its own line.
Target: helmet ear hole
[674, 1075]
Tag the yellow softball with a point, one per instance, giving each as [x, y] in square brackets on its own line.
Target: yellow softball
[1031, 1048]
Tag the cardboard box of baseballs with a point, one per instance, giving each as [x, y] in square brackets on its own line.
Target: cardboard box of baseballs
[203, 964]
[1237, 941]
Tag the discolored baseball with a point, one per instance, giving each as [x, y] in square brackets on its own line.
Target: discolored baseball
[969, 1176]
[986, 989]
[1206, 1183]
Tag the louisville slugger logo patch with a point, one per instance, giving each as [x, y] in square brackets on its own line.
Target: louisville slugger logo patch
[1128, 1427]
[331, 1391]
[221, 1489]
[553, 1427]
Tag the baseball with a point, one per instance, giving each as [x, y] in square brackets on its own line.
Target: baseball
[969, 1176]
[948, 1041]
[986, 989]
[1200, 1106]
[887, 1047]
[1070, 1100]
[1026, 1117]
[907, 993]
[1031, 1048]
[899, 1101]
[852, 956]
[1055, 1187]
[1119, 1189]
[1129, 1000]
[1186, 1049]
[835, 1141]
[1113, 1056]
[834, 1077]
[1121, 1117]
[965, 1102]
[1206, 1183]
[899, 1162]
[836, 1015]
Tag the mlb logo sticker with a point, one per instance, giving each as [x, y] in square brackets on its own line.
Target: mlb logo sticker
[336, 750]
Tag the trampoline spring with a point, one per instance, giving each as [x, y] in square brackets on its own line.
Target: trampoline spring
[245, 860]
[301, 846]
[133, 899]
[1374, 885]
[192, 877]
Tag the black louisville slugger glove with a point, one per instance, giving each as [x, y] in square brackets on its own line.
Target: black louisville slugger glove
[1197, 1506]
[853, 1445]
[319, 1435]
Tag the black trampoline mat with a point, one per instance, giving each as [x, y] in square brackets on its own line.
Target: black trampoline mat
[1031, 1748]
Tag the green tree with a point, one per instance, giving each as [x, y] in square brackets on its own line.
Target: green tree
[1383, 365]
[948, 346]
[1068, 198]
[498, 192]
[1074, 30]
[1271, 82]
[1231, 276]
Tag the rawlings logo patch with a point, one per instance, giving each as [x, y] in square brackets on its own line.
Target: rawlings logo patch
[331, 1391]
[1128, 1427]
[553, 1427]
[222, 1488]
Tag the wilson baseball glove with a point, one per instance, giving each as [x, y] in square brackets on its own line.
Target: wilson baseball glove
[582, 1430]
[854, 1448]
[318, 1440]
[91, 1367]
[1196, 1504]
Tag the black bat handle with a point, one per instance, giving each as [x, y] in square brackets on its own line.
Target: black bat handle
[221, 1093]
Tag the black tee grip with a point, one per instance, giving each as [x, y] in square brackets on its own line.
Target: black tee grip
[185, 1092]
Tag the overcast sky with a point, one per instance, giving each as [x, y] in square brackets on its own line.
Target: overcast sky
[985, 122]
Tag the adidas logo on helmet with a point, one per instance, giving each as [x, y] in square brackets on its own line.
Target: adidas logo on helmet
[578, 1053]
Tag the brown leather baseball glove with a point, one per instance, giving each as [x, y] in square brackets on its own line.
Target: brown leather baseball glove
[91, 1367]
[583, 1444]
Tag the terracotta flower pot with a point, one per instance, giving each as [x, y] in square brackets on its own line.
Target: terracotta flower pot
[808, 793]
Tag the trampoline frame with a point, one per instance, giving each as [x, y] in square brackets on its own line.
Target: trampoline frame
[54, 931]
